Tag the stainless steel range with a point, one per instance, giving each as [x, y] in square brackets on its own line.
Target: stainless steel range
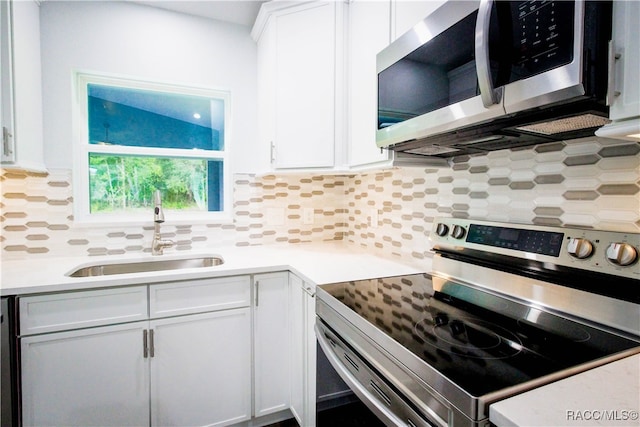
[506, 309]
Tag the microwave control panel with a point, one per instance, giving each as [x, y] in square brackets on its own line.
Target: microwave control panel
[543, 36]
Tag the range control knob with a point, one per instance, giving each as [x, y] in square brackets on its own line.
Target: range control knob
[442, 229]
[458, 232]
[622, 254]
[580, 248]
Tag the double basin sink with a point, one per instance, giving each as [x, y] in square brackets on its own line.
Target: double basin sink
[107, 269]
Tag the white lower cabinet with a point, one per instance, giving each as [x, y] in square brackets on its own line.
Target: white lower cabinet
[89, 377]
[271, 343]
[297, 352]
[303, 352]
[191, 369]
[200, 369]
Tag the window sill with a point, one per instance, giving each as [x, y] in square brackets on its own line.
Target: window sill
[111, 221]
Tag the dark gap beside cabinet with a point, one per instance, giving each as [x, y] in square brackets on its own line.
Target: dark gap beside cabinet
[354, 414]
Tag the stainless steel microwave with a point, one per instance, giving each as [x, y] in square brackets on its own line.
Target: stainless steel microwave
[478, 76]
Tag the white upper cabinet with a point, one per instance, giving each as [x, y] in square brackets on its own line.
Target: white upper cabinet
[21, 86]
[624, 89]
[299, 77]
[372, 26]
[369, 33]
[626, 39]
[317, 79]
[407, 13]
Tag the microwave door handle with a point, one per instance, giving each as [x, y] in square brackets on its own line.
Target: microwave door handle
[488, 93]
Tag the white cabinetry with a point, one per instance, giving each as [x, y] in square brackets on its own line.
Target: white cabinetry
[21, 86]
[200, 369]
[200, 359]
[300, 79]
[315, 112]
[368, 34]
[89, 377]
[271, 343]
[625, 106]
[303, 352]
[84, 377]
[372, 26]
[97, 358]
[407, 13]
[297, 351]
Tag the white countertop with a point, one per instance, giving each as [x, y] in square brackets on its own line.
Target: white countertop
[316, 263]
[614, 387]
[605, 396]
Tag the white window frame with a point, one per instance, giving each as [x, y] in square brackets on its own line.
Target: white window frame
[82, 149]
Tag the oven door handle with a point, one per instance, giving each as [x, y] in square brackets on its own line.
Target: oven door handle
[353, 383]
[373, 402]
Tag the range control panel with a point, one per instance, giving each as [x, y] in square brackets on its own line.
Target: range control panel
[608, 252]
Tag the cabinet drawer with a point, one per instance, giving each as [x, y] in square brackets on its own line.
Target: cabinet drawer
[198, 296]
[75, 310]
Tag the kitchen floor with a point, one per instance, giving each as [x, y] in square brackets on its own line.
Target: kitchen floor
[354, 414]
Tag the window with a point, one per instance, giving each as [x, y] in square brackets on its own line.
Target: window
[136, 137]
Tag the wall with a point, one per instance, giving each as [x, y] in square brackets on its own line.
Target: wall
[592, 182]
[37, 218]
[133, 40]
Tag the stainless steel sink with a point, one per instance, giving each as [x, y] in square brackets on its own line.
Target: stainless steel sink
[145, 266]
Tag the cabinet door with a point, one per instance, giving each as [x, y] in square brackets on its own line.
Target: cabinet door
[24, 149]
[369, 34]
[303, 352]
[305, 86]
[297, 348]
[6, 89]
[89, 377]
[201, 369]
[626, 39]
[309, 344]
[267, 93]
[272, 348]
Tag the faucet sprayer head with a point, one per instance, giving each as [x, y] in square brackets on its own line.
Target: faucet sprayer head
[158, 215]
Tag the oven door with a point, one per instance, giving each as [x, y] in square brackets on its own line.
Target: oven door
[380, 396]
[386, 386]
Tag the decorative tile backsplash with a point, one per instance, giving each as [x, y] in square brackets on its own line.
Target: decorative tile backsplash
[592, 182]
[37, 217]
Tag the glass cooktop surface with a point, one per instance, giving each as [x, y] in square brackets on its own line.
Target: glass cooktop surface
[480, 341]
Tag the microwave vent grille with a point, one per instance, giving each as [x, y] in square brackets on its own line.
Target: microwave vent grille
[433, 150]
[570, 124]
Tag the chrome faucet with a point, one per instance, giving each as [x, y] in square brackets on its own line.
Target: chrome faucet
[158, 244]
